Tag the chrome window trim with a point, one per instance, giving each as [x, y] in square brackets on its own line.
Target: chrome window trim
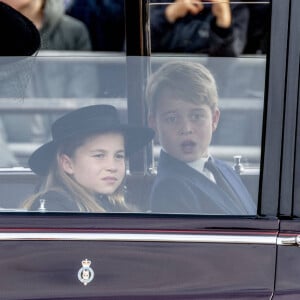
[140, 237]
[288, 240]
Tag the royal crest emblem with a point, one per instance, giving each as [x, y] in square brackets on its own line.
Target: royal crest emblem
[86, 273]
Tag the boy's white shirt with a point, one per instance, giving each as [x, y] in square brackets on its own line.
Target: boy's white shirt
[198, 165]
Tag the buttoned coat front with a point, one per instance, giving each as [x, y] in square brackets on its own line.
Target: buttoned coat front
[179, 188]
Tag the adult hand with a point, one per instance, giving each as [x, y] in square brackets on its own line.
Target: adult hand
[180, 8]
[221, 10]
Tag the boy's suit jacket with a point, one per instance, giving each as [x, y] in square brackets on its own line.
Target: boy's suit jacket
[179, 188]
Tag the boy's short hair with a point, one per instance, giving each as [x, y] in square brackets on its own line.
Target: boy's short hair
[187, 81]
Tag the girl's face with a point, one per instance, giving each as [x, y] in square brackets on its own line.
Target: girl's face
[98, 164]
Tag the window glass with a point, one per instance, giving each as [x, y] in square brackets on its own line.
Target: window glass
[101, 18]
[217, 120]
[215, 28]
[233, 135]
[296, 195]
[235, 56]
[81, 26]
[35, 92]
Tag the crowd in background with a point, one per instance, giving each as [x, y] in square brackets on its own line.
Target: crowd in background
[195, 29]
[99, 25]
[216, 28]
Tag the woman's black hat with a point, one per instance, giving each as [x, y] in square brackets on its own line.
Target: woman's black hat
[87, 120]
[19, 36]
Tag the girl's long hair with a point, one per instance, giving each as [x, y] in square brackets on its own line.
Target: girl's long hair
[59, 181]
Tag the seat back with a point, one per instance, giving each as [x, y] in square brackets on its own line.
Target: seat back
[15, 187]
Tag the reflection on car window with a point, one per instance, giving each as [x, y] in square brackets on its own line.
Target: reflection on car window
[183, 108]
[197, 129]
[216, 28]
[212, 131]
[27, 117]
[101, 18]
[83, 166]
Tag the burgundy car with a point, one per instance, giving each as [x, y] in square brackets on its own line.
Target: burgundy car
[48, 254]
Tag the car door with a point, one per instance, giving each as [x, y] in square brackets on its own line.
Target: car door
[142, 255]
[287, 285]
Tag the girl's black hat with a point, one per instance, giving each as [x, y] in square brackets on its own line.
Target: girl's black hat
[88, 120]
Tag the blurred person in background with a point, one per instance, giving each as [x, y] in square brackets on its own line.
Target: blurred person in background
[58, 31]
[214, 27]
[259, 27]
[105, 20]
[67, 3]
[19, 39]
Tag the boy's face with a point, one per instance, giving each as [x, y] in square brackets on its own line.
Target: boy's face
[184, 129]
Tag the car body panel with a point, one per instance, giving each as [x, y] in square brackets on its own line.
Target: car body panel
[288, 272]
[149, 257]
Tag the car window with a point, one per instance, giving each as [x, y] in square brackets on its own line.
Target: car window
[236, 57]
[37, 91]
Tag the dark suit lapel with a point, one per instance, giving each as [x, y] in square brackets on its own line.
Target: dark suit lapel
[243, 199]
[215, 194]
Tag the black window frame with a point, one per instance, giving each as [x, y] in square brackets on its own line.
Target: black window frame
[275, 128]
[271, 189]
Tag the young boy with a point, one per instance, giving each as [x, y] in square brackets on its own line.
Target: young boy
[183, 110]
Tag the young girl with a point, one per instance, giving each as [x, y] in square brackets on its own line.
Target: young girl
[83, 167]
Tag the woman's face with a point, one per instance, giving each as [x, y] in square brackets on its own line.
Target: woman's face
[17, 4]
[98, 164]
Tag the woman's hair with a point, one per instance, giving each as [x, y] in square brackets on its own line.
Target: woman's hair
[58, 180]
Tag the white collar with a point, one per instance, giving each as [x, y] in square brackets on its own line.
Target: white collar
[198, 164]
